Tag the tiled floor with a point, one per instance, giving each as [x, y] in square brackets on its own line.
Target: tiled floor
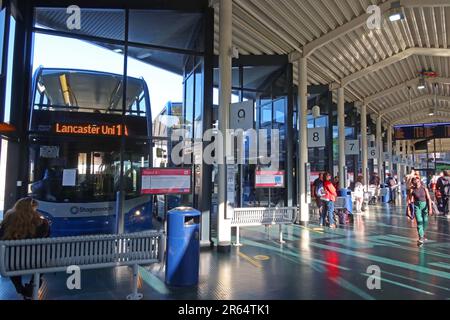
[314, 263]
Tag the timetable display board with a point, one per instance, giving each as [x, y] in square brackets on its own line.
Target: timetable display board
[166, 181]
[269, 179]
[422, 131]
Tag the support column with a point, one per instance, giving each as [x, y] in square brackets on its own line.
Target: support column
[410, 151]
[404, 167]
[225, 49]
[303, 139]
[379, 140]
[365, 162]
[290, 133]
[399, 166]
[389, 148]
[341, 131]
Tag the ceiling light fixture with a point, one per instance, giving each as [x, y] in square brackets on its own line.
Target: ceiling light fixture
[421, 85]
[435, 103]
[396, 12]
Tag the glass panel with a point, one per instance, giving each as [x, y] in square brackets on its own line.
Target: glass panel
[136, 156]
[258, 78]
[3, 158]
[105, 23]
[9, 71]
[76, 119]
[189, 105]
[96, 165]
[279, 108]
[88, 91]
[180, 30]
[266, 115]
[2, 36]
[163, 75]
[198, 112]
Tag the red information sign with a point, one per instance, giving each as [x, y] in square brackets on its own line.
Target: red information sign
[269, 179]
[166, 181]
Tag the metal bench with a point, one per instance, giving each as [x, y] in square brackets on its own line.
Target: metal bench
[250, 217]
[49, 255]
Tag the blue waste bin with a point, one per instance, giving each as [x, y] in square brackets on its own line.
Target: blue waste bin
[386, 194]
[183, 247]
[348, 199]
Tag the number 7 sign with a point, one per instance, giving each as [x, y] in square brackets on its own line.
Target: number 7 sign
[351, 147]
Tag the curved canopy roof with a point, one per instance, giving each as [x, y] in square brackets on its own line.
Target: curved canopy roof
[376, 66]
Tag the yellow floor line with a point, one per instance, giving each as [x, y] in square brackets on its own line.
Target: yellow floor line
[252, 261]
[312, 230]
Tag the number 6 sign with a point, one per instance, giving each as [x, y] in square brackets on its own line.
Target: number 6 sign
[316, 137]
[372, 153]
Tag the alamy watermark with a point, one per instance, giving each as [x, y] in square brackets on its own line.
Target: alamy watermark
[73, 22]
[373, 281]
[74, 280]
[375, 19]
[232, 147]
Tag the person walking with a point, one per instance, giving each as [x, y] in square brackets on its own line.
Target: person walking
[392, 185]
[23, 222]
[329, 199]
[421, 200]
[443, 185]
[409, 178]
[317, 191]
[359, 194]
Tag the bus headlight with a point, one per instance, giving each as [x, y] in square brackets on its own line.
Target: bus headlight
[137, 213]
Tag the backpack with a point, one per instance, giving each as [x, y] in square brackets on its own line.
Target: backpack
[444, 187]
[319, 191]
[447, 189]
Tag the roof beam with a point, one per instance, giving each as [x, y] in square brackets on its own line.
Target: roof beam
[360, 21]
[413, 101]
[424, 3]
[274, 28]
[350, 26]
[434, 52]
[402, 86]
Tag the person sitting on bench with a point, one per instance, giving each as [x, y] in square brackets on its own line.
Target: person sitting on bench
[24, 222]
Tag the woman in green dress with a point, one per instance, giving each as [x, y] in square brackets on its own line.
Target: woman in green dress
[420, 199]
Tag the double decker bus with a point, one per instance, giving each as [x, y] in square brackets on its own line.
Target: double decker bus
[76, 143]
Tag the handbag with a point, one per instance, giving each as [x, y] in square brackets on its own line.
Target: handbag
[434, 207]
[410, 212]
[364, 206]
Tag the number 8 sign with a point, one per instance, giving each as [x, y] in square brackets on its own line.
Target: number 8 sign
[316, 137]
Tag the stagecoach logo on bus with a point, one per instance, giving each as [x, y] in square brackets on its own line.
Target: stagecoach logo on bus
[253, 147]
[76, 210]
